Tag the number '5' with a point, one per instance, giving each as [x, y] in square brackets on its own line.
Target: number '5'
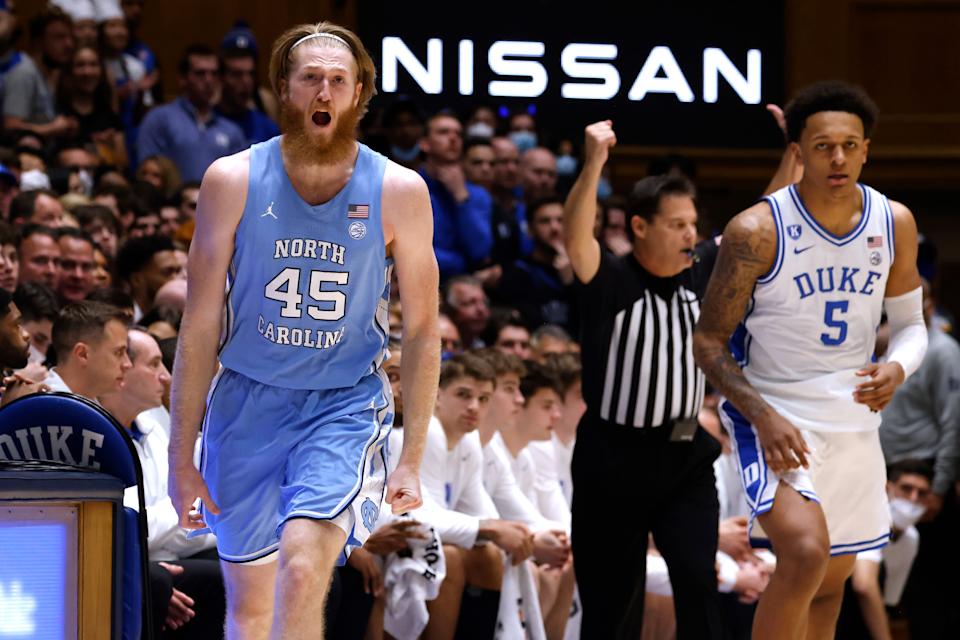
[291, 297]
[830, 319]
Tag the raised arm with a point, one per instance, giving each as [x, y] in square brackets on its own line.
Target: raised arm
[747, 252]
[408, 224]
[790, 169]
[580, 209]
[223, 195]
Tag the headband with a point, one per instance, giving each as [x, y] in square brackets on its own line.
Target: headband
[320, 35]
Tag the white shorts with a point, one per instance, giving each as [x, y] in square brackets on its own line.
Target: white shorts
[847, 477]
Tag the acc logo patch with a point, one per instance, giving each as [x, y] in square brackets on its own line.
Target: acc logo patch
[794, 231]
[369, 512]
[875, 258]
[357, 230]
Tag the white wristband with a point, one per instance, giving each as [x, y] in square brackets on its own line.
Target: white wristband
[908, 331]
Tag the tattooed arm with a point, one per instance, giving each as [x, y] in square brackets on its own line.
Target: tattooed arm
[747, 252]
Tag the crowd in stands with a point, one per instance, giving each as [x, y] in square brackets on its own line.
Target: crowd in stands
[99, 180]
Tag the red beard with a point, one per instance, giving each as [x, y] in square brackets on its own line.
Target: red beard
[304, 148]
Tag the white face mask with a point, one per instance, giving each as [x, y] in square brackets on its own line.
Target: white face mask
[905, 513]
[86, 181]
[35, 355]
[479, 130]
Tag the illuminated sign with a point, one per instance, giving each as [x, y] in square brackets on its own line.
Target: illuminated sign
[674, 73]
[660, 72]
[38, 572]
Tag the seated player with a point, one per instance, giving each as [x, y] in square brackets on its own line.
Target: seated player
[455, 501]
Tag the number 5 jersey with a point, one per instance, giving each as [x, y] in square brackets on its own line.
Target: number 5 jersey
[308, 286]
[812, 319]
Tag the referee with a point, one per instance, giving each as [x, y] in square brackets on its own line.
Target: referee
[641, 465]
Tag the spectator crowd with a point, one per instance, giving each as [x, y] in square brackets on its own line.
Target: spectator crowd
[99, 180]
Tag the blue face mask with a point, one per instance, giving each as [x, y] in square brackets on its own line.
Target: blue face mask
[404, 155]
[604, 190]
[525, 140]
[566, 165]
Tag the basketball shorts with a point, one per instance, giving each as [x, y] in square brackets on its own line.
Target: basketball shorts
[270, 454]
[846, 476]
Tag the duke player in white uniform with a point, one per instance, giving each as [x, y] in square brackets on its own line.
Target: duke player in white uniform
[304, 230]
[800, 283]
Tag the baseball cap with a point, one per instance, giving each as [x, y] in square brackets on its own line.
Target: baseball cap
[240, 37]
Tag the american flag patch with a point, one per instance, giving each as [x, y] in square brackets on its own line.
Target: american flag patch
[358, 211]
[874, 242]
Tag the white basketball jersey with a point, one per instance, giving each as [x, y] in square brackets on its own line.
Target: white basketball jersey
[812, 321]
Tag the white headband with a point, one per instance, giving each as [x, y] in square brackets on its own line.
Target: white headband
[320, 35]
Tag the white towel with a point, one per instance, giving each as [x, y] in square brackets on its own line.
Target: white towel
[410, 579]
[658, 578]
[519, 617]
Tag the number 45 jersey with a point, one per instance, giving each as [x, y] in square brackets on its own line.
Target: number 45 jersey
[812, 320]
[308, 286]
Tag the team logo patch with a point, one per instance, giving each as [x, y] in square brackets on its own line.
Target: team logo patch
[875, 258]
[794, 230]
[357, 230]
[369, 512]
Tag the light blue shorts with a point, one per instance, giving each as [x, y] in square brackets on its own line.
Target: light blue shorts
[271, 454]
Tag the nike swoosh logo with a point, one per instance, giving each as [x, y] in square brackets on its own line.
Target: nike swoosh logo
[798, 250]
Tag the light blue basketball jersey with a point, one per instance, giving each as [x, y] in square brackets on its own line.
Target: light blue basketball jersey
[308, 286]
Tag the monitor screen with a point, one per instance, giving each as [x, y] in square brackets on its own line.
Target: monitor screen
[38, 572]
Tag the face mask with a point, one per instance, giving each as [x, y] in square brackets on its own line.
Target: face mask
[566, 165]
[479, 130]
[86, 181]
[525, 140]
[34, 179]
[905, 513]
[35, 355]
[405, 155]
[604, 190]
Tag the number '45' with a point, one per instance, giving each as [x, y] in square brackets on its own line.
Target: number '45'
[285, 288]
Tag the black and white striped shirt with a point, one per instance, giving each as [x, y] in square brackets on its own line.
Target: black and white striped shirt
[637, 342]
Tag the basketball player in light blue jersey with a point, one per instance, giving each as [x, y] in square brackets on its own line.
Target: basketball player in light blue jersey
[289, 273]
[800, 284]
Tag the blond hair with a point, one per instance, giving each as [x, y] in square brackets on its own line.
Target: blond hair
[284, 45]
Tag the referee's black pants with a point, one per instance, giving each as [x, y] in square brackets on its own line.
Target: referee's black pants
[629, 483]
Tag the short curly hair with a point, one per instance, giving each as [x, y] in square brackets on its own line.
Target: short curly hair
[829, 95]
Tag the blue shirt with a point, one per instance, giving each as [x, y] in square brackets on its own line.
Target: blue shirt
[256, 125]
[462, 232]
[172, 130]
[308, 286]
